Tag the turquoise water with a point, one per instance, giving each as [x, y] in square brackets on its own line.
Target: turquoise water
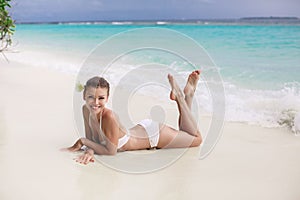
[260, 64]
[253, 56]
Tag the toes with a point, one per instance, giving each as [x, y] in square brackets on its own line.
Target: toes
[194, 76]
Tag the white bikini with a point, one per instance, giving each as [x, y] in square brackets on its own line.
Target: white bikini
[122, 141]
[151, 127]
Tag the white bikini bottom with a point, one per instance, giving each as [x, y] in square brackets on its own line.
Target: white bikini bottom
[152, 129]
[123, 140]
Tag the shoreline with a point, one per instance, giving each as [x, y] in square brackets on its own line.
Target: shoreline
[71, 66]
[259, 89]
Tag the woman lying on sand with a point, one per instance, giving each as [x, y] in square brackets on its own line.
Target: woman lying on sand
[105, 135]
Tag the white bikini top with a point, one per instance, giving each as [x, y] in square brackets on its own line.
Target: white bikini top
[122, 141]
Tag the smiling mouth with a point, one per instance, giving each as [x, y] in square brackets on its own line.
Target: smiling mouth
[95, 107]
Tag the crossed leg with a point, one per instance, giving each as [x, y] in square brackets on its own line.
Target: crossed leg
[188, 134]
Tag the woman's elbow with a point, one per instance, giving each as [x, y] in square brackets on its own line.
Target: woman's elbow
[112, 153]
[111, 149]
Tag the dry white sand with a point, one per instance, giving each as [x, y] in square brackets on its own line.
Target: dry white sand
[36, 120]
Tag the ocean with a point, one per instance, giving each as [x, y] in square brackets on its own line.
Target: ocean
[259, 63]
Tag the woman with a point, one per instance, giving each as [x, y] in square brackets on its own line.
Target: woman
[105, 135]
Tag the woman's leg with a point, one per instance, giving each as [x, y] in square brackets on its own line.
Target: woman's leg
[188, 134]
[187, 122]
[190, 87]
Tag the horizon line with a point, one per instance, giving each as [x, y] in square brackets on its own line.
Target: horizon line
[245, 19]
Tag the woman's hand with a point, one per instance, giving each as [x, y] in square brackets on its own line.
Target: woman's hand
[76, 147]
[86, 157]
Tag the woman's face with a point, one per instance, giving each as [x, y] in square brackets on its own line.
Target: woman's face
[95, 99]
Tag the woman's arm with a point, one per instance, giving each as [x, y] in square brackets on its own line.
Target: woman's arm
[86, 113]
[97, 148]
[111, 130]
[76, 147]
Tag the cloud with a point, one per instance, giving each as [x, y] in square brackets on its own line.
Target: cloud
[63, 10]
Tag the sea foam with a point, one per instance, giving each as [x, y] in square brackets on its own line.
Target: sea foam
[267, 108]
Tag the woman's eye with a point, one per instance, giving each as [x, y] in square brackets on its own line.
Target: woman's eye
[100, 98]
[90, 97]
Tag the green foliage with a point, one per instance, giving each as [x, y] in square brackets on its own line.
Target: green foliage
[79, 87]
[7, 25]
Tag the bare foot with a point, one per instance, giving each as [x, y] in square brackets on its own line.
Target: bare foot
[175, 91]
[191, 83]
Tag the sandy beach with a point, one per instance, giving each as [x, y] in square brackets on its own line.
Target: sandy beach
[36, 120]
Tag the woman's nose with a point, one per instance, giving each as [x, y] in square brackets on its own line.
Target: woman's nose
[96, 100]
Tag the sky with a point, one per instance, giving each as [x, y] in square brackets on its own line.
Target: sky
[102, 10]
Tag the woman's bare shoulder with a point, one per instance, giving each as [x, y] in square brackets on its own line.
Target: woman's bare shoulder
[108, 114]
